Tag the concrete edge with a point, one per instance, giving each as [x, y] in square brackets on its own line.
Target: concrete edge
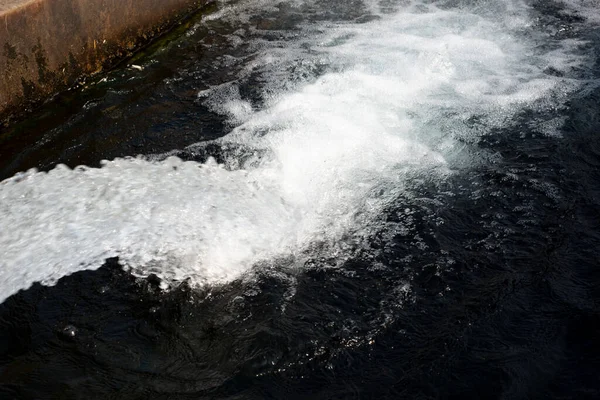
[46, 46]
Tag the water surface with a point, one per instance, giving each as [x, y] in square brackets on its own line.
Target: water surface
[315, 199]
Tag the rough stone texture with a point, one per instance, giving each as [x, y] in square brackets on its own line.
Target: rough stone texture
[46, 45]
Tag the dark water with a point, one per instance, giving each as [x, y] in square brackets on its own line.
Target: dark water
[482, 284]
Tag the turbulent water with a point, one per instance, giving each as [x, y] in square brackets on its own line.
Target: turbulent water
[322, 199]
[376, 106]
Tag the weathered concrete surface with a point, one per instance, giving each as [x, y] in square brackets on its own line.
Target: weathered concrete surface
[46, 45]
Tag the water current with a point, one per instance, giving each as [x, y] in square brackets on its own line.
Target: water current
[316, 199]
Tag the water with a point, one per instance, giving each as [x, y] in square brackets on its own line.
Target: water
[325, 200]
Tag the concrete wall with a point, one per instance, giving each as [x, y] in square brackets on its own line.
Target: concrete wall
[46, 45]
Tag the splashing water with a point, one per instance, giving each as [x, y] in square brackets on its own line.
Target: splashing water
[378, 104]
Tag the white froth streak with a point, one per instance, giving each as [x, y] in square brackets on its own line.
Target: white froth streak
[334, 152]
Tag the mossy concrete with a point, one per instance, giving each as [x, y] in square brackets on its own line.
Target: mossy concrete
[47, 45]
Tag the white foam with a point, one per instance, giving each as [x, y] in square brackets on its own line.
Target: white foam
[331, 150]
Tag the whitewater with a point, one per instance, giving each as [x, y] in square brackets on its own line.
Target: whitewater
[352, 114]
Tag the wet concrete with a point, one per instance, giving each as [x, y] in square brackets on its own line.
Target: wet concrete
[48, 45]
